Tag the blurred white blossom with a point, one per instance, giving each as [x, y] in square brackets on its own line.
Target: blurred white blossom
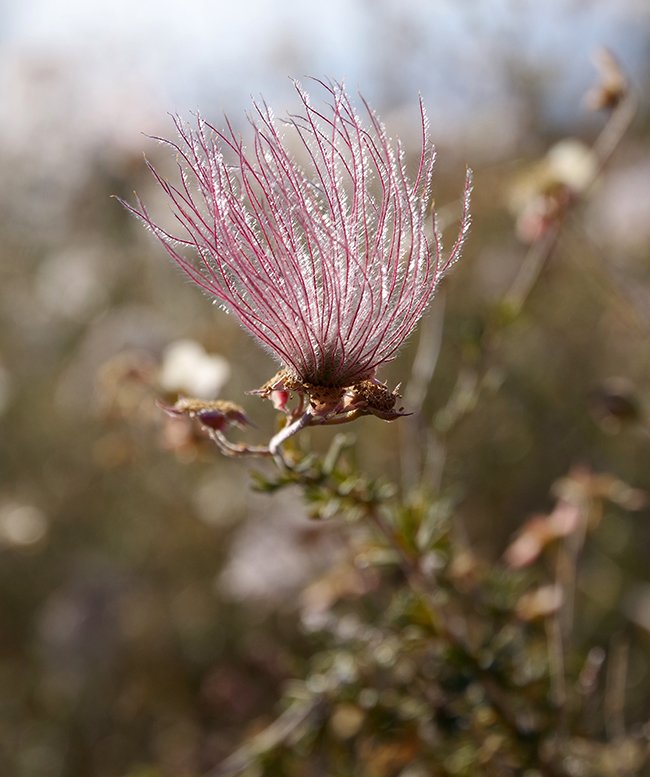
[188, 369]
[22, 524]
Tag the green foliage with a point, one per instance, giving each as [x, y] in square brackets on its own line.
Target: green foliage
[453, 666]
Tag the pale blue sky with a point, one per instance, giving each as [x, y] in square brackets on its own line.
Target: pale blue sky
[76, 74]
[229, 50]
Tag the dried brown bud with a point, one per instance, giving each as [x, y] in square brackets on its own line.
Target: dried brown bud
[613, 85]
[615, 403]
[215, 414]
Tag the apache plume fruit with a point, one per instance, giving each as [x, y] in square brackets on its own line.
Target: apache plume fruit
[316, 238]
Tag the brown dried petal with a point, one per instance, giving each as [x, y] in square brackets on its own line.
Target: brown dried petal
[541, 530]
[325, 400]
[541, 603]
[529, 543]
[376, 399]
[281, 381]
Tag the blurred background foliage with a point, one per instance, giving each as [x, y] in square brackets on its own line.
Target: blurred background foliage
[154, 608]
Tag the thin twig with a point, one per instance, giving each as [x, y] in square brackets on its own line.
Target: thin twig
[233, 449]
[556, 663]
[413, 431]
[284, 434]
[616, 679]
[277, 733]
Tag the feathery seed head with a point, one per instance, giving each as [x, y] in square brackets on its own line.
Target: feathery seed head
[330, 262]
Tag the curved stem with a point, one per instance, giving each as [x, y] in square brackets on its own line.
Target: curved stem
[284, 434]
